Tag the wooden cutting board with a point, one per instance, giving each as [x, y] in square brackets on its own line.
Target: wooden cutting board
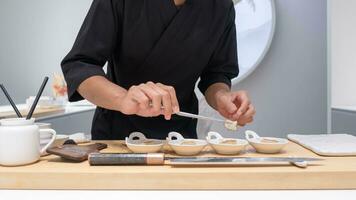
[51, 172]
[39, 112]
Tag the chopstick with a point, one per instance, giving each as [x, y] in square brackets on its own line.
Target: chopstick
[11, 101]
[39, 94]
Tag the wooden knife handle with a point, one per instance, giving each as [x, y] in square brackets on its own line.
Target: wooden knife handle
[126, 159]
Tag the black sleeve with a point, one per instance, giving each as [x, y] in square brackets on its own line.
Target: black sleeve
[94, 45]
[223, 65]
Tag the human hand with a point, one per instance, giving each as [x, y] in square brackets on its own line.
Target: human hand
[150, 100]
[235, 106]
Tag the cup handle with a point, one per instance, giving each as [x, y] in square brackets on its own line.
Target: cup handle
[53, 132]
[213, 136]
[176, 135]
[133, 135]
[251, 135]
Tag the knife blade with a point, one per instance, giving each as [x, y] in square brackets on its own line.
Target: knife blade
[238, 160]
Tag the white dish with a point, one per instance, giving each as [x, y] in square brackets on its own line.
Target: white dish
[138, 143]
[226, 146]
[267, 145]
[45, 102]
[185, 147]
[80, 138]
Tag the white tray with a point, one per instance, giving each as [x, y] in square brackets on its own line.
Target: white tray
[327, 144]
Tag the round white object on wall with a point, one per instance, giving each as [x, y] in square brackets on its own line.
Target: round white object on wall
[255, 25]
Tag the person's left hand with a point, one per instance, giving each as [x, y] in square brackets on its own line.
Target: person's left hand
[235, 106]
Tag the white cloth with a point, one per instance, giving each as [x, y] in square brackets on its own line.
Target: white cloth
[327, 144]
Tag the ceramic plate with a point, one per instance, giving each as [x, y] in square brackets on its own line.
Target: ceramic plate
[268, 145]
[138, 143]
[185, 147]
[226, 146]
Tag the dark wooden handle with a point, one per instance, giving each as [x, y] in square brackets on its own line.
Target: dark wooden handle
[125, 159]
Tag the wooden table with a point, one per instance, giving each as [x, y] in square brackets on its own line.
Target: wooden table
[52, 173]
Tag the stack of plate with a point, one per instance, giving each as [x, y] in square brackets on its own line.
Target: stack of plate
[45, 137]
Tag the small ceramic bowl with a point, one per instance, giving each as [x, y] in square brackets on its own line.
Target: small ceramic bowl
[267, 145]
[138, 143]
[226, 146]
[185, 147]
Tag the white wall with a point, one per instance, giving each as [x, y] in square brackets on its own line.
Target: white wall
[289, 88]
[34, 37]
[343, 52]
[343, 64]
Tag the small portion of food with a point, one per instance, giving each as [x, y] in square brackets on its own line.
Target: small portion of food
[150, 142]
[231, 125]
[264, 140]
[228, 142]
[188, 143]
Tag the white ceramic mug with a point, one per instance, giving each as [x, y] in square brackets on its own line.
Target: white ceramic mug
[20, 141]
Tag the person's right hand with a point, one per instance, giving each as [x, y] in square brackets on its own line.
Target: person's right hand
[150, 100]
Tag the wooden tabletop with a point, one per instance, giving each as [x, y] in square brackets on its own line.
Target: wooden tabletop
[53, 173]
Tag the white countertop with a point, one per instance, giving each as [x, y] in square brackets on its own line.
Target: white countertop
[70, 109]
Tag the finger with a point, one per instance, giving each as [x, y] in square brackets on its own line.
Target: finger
[166, 100]
[228, 105]
[155, 99]
[245, 121]
[248, 116]
[172, 93]
[226, 115]
[244, 102]
[140, 97]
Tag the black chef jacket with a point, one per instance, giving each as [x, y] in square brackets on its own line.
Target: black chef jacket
[153, 40]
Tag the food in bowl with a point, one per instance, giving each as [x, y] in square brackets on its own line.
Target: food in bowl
[264, 140]
[138, 143]
[228, 141]
[269, 145]
[185, 147]
[188, 143]
[226, 146]
[151, 142]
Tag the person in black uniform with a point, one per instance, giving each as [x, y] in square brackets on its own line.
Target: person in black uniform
[156, 51]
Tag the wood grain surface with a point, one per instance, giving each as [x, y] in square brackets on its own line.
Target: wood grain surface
[53, 173]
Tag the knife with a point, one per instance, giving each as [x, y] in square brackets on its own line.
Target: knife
[159, 159]
[235, 161]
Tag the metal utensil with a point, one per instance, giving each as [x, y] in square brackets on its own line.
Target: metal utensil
[159, 159]
[237, 161]
[194, 116]
[230, 125]
[190, 115]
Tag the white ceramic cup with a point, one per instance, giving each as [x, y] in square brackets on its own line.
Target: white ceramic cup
[45, 135]
[20, 141]
[44, 125]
